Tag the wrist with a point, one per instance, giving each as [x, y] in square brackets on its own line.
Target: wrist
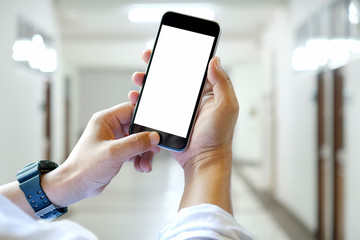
[208, 179]
[57, 185]
[219, 158]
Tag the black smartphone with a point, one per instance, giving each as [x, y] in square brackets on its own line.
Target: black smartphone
[175, 79]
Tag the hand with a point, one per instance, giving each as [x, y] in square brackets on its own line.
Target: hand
[207, 161]
[214, 127]
[98, 156]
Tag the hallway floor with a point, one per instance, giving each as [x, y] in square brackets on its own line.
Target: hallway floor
[137, 206]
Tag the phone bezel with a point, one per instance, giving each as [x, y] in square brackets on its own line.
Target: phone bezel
[194, 24]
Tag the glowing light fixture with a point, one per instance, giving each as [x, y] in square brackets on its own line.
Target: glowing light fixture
[22, 50]
[36, 53]
[354, 17]
[319, 52]
[154, 12]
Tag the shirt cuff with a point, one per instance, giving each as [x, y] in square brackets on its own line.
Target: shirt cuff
[204, 221]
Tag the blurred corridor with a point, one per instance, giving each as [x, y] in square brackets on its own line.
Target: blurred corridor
[294, 65]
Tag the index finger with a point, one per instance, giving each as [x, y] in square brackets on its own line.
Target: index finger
[118, 118]
[146, 55]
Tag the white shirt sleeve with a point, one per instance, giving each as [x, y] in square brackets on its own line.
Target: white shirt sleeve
[204, 221]
[16, 224]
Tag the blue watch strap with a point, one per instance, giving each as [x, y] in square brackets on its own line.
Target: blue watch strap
[29, 182]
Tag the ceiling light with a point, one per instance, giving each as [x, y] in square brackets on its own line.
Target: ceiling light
[36, 53]
[154, 12]
[320, 52]
[353, 14]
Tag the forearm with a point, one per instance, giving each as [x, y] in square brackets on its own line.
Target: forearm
[209, 180]
[13, 192]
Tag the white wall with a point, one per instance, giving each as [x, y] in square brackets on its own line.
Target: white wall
[302, 10]
[289, 152]
[296, 183]
[295, 116]
[71, 74]
[247, 82]
[21, 93]
[297, 159]
[352, 150]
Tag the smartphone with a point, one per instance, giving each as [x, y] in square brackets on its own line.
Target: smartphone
[175, 78]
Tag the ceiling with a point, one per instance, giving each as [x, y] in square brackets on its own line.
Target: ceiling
[85, 21]
[108, 18]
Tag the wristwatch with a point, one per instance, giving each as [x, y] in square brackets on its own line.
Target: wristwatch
[29, 182]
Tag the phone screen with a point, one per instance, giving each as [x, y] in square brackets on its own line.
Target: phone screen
[174, 80]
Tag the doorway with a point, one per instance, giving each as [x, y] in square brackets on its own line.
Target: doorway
[338, 153]
[48, 120]
[330, 162]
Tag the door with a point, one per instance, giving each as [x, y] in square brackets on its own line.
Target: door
[338, 154]
[325, 155]
[48, 120]
[321, 143]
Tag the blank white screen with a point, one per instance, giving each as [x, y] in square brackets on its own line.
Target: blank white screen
[174, 79]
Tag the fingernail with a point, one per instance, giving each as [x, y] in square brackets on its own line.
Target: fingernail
[154, 138]
[218, 62]
[147, 170]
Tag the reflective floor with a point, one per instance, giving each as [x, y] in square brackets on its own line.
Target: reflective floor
[137, 206]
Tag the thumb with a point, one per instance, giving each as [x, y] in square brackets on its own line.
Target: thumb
[134, 144]
[224, 93]
[220, 82]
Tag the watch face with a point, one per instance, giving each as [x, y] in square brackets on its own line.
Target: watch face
[45, 166]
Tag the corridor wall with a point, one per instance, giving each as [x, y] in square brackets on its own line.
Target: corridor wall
[22, 91]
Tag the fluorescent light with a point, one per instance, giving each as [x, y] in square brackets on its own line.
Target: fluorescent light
[36, 54]
[339, 49]
[319, 52]
[353, 14]
[354, 46]
[22, 50]
[154, 12]
[302, 60]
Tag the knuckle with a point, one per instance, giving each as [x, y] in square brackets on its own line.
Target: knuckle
[231, 105]
[97, 116]
[129, 147]
[235, 106]
[110, 151]
[140, 142]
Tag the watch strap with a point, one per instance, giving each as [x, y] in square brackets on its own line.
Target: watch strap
[29, 182]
